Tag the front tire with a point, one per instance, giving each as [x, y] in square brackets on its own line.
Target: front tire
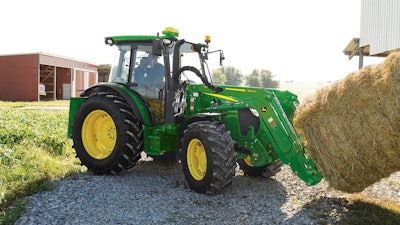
[208, 157]
[107, 136]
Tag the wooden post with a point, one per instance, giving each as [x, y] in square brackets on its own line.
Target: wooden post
[361, 58]
[54, 84]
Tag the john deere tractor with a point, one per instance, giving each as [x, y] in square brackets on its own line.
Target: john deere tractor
[160, 100]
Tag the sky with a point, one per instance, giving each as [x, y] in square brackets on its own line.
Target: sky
[295, 40]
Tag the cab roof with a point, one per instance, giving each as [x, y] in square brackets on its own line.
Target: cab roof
[168, 33]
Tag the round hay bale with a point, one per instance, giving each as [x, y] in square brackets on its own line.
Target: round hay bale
[352, 127]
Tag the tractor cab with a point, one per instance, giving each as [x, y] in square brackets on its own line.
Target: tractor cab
[136, 67]
[157, 67]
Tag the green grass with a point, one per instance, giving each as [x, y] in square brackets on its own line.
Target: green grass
[34, 150]
[42, 103]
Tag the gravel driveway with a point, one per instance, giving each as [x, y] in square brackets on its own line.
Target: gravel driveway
[155, 193]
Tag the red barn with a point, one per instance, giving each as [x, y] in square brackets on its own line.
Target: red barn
[43, 76]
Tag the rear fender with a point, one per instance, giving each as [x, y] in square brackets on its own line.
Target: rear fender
[74, 104]
[135, 101]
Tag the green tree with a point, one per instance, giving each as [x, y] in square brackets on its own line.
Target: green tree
[218, 77]
[253, 81]
[233, 76]
[267, 80]
[261, 78]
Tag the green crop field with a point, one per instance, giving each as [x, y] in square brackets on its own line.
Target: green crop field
[34, 149]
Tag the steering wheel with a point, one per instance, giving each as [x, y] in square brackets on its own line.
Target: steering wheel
[197, 72]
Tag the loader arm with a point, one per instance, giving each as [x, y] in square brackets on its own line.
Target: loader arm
[287, 144]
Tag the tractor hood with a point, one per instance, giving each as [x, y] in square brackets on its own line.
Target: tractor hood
[201, 98]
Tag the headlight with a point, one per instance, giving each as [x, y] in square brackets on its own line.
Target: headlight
[109, 41]
[167, 41]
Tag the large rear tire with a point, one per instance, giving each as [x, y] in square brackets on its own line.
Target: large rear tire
[107, 136]
[208, 157]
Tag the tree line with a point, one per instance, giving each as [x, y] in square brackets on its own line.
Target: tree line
[223, 76]
[232, 76]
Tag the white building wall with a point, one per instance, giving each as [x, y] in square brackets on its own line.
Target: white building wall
[380, 25]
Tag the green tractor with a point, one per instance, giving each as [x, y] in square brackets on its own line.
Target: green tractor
[160, 100]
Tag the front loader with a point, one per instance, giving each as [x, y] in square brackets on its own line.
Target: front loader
[182, 115]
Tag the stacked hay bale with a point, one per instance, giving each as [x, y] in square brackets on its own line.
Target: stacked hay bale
[352, 128]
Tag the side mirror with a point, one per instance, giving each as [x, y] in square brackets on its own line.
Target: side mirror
[157, 47]
[221, 57]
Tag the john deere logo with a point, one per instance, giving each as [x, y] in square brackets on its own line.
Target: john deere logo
[264, 109]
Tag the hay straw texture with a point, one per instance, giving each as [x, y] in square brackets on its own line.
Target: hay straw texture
[352, 127]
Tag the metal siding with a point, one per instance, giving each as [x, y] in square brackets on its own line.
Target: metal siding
[92, 78]
[19, 78]
[380, 25]
[79, 82]
[19, 75]
[63, 77]
[65, 62]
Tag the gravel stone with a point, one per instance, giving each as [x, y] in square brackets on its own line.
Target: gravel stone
[156, 193]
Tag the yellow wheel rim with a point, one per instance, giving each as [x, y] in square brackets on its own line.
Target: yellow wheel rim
[247, 160]
[99, 134]
[197, 159]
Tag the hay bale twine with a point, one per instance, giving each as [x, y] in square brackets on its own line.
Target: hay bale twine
[352, 127]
